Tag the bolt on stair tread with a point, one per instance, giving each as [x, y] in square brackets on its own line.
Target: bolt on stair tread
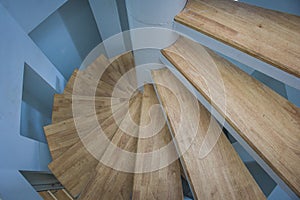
[60, 136]
[164, 183]
[109, 183]
[62, 105]
[74, 167]
[268, 35]
[219, 173]
[269, 123]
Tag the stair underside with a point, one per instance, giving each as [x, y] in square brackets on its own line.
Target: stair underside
[269, 123]
[214, 171]
[268, 35]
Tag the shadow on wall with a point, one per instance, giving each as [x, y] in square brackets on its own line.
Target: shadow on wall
[68, 35]
[36, 107]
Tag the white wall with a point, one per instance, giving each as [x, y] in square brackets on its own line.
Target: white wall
[18, 152]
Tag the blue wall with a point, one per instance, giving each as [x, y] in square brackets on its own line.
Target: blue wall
[16, 151]
[68, 35]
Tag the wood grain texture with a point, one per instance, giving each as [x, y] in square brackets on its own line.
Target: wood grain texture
[61, 136]
[164, 183]
[109, 183]
[83, 85]
[75, 166]
[268, 35]
[46, 195]
[221, 174]
[62, 195]
[62, 105]
[105, 78]
[266, 121]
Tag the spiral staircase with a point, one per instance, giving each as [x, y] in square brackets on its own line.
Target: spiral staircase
[267, 122]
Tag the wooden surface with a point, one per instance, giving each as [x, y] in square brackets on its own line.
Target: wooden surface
[108, 183]
[105, 78]
[62, 105]
[221, 174]
[60, 136]
[62, 195]
[55, 195]
[266, 121]
[74, 167]
[164, 183]
[82, 85]
[268, 35]
[46, 195]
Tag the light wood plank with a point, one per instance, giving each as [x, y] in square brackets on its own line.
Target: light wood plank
[279, 146]
[164, 183]
[74, 167]
[62, 105]
[82, 85]
[62, 195]
[106, 182]
[220, 174]
[268, 35]
[61, 136]
[269, 123]
[46, 195]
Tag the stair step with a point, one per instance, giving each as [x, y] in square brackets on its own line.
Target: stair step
[62, 106]
[88, 86]
[74, 167]
[62, 195]
[63, 135]
[47, 195]
[111, 183]
[164, 183]
[270, 36]
[269, 123]
[212, 166]
[96, 67]
[125, 63]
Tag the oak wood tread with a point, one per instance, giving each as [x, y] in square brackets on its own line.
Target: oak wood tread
[220, 173]
[62, 135]
[268, 35]
[110, 183]
[74, 167]
[269, 123]
[164, 183]
[85, 105]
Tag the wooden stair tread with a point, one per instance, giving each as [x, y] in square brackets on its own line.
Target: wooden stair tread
[46, 195]
[62, 105]
[269, 123]
[268, 35]
[221, 174]
[164, 183]
[60, 136]
[62, 195]
[74, 167]
[112, 72]
[102, 78]
[109, 183]
[96, 67]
